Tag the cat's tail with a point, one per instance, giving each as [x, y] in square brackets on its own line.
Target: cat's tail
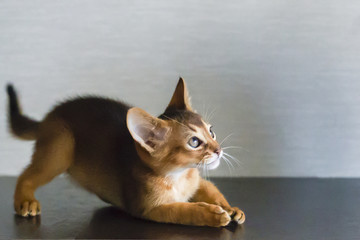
[20, 125]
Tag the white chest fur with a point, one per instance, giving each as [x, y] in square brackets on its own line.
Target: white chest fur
[182, 186]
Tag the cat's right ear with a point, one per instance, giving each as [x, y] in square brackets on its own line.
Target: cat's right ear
[150, 132]
[180, 99]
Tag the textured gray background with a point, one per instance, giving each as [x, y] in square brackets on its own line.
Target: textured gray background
[283, 76]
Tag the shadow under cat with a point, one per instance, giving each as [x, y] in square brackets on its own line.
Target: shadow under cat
[111, 223]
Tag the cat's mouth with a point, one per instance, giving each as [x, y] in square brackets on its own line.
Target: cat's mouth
[214, 161]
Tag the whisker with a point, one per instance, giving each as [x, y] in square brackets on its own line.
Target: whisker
[203, 170]
[232, 147]
[227, 154]
[206, 114]
[235, 147]
[226, 138]
[211, 115]
[203, 110]
[207, 171]
[234, 159]
[226, 161]
[229, 162]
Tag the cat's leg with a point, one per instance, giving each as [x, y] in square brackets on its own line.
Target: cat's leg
[52, 156]
[209, 193]
[198, 214]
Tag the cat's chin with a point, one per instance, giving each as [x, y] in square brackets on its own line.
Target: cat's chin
[214, 161]
[214, 164]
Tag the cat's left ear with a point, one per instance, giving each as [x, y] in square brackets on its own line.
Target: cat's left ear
[180, 99]
[150, 132]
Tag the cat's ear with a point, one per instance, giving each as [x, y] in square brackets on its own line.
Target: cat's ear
[180, 99]
[150, 132]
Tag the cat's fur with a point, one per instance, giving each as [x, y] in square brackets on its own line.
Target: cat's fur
[137, 162]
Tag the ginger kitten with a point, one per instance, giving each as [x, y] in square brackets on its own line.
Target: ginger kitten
[145, 165]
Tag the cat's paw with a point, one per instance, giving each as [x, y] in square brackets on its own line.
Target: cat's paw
[214, 215]
[27, 208]
[236, 214]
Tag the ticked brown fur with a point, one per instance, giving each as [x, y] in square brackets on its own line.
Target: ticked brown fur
[137, 162]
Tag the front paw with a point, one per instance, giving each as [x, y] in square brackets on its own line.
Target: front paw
[27, 207]
[214, 215]
[236, 214]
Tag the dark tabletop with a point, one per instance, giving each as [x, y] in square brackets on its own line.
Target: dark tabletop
[276, 208]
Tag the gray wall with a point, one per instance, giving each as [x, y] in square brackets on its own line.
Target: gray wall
[283, 76]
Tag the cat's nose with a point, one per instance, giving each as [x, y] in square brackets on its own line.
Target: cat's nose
[218, 151]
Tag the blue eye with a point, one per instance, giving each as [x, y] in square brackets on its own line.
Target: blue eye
[194, 142]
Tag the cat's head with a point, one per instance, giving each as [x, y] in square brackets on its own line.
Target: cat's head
[177, 139]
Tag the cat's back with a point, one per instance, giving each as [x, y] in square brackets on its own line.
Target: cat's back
[96, 123]
[91, 108]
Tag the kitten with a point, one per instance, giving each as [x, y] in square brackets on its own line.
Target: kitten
[145, 165]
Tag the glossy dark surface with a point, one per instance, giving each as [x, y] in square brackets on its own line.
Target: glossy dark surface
[276, 208]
